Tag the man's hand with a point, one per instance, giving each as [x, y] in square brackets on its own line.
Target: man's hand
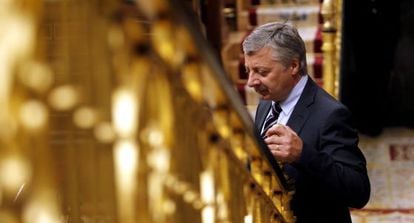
[284, 143]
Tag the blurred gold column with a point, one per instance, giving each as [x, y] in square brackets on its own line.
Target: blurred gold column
[331, 33]
[27, 186]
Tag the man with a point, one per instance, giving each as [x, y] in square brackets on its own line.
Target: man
[313, 136]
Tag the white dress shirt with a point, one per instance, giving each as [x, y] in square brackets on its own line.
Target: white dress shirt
[289, 103]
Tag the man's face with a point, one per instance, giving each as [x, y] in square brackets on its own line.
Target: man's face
[268, 77]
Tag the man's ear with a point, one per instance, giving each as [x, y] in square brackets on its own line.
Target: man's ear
[295, 66]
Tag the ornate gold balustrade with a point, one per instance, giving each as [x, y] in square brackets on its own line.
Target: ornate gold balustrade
[116, 112]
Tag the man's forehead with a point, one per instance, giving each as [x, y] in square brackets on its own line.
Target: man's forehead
[259, 61]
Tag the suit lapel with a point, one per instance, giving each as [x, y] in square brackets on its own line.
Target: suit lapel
[302, 109]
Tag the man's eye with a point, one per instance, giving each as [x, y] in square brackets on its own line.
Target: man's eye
[262, 72]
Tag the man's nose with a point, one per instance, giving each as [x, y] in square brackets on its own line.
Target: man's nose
[252, 81]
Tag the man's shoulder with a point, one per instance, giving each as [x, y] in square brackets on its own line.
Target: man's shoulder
[327, 99]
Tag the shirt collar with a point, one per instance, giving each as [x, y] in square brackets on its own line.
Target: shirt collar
[289, 103]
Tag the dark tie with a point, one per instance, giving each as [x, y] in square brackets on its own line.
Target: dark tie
[272, 118]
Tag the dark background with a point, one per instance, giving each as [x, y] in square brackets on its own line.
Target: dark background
[377, 66]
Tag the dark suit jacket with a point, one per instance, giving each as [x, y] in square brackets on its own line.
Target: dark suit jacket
[331, 174]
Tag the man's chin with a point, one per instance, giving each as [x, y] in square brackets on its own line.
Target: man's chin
[265, 96]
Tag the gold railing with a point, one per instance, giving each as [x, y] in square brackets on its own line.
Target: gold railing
[331, 34]
[116, 112]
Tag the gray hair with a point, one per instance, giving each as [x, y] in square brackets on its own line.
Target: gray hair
[284, 40]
